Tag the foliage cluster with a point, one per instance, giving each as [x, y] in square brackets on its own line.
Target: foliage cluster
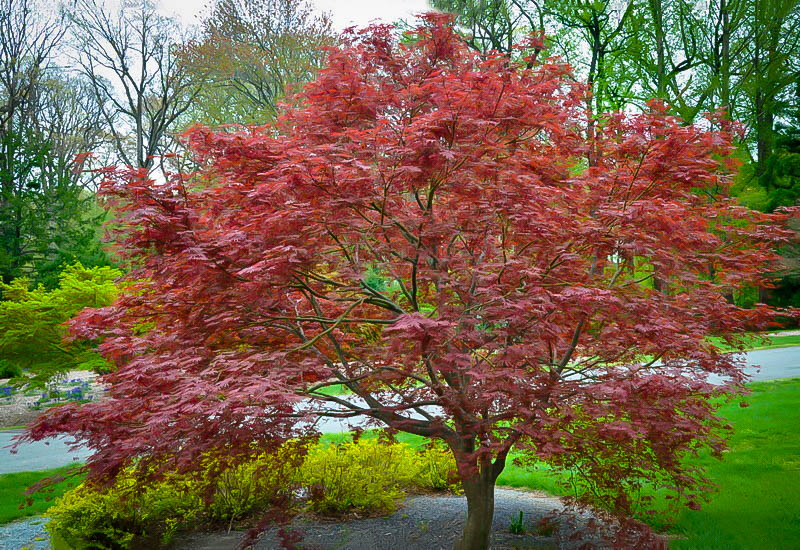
[368, 475]
[32, 323]
[9, 369]
[365, 476]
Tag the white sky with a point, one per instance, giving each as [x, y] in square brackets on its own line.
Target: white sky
[344, 13]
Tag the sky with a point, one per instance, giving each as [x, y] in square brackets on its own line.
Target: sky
[344, 13]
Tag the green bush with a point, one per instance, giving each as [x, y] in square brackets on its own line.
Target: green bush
[367, 476]
[9, 369]
[124, 517]
[129, 516]
[32, 322]
[253, 486]
[436, 469]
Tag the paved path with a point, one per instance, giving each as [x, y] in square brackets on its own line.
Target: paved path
[27, 533]
[41, 455]
[775, 363]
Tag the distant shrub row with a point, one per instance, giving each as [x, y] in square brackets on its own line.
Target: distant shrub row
[365, 476]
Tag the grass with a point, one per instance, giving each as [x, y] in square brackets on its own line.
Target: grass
[758, 503]
[756, 341]
[12, 499]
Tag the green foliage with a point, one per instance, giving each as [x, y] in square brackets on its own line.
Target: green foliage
[781, 177]
[517, 526]
[254, 485]
[128, 515]
[9, 369]
[368, 475]
[746, 296]
[47, 218]
[32, 321]
[436, 469]
[125, 516]
[365, 476]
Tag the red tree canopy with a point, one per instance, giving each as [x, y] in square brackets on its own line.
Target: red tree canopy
[421, 225]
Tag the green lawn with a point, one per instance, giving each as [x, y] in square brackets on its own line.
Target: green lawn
[758, 503]
[12, 499]
[755, 341]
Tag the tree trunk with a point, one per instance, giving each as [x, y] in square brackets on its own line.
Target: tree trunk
[479, 490]
[480, 512]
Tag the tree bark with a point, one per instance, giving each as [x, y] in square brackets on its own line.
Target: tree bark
[479, 490]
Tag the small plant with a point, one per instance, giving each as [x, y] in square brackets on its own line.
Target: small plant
[546, 527]
[423, 525]
[518, 525]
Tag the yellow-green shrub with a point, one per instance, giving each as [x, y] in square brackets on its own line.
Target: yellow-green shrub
[365, 475]
[255, 485]
[436, 469]
[129, 516]
[124, 517]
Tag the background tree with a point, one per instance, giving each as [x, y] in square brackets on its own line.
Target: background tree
[495, 24]
[32, 322]
[129, 56]
[515, 312]
[47, 118]
[250, 54]
[666, 48]
[774, 62]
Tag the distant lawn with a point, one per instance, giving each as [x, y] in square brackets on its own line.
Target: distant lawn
[756, 341]
[13, 485]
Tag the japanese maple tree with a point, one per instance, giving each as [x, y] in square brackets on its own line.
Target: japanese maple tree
[422, 227]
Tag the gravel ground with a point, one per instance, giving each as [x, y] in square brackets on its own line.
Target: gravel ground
[427, 522]
[28, 533]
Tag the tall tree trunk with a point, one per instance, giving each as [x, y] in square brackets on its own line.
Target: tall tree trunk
[725, 60]
[657, 15]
